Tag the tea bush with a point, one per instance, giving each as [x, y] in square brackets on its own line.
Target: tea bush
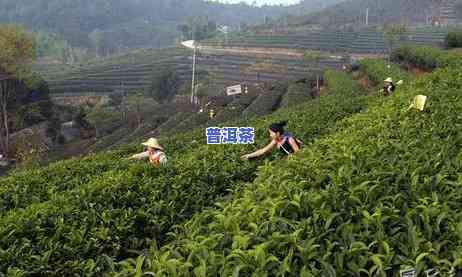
[380, 194]
[453, 39]
[297, 93]
[379, 70]
[266, 102]
[72, 223]
[424, 57]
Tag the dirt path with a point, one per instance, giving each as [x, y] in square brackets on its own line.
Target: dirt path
[295, 53]
[359, 56]
[254, 51]
[417, 71]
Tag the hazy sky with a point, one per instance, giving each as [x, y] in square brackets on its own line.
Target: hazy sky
[261, 2]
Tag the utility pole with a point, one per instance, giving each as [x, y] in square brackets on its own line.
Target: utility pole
[191, 44]
[367, 16]
[225, 30]
[193, 75]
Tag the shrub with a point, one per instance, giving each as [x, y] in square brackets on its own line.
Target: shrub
[377, 196]
[81, 216]
[453, 39]
[378, 70]
[424, 57]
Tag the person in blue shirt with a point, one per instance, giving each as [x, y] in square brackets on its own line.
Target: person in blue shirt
[280, 139]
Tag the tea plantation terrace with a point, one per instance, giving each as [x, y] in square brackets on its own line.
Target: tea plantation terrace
[376, 189]
[365, 41]
[134, 72]
[174, 121]
[104, 193]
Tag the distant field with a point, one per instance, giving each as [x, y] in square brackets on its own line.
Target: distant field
[134, 72]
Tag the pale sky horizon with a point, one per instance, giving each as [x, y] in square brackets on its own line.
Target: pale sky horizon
[262, 2]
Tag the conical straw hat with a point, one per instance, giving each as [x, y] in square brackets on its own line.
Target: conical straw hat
[389, 80]
[154, 143]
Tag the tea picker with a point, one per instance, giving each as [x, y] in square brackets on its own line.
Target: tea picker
[155, 153]
[280, 139]
[390, 87]
[212, 113]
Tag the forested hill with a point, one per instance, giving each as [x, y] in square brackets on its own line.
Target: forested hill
[380, 12]
[139, 22]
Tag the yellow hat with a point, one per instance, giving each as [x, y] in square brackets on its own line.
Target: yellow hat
[154, 143]
[389, 80]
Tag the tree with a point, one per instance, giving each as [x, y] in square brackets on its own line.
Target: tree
[115, 99]
[136, 101]
[17, 51]
[80, 119]
[453, 39]
[315, 57]
[197, 28]
[393, 34]
[49, 45]
[30, 148]
[99, 117]
[164, 85]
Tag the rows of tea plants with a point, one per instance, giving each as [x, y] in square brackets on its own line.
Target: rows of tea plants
[266, 102]
[116, 63]
[243, 107]
[25, 187]
[106, 141]
[381, 194]
[378, 70]
[115, 213]
[37, 185]
[296, 93]
[143, 132]
[126, 210]
[185, 122]
[195, 120]
[365, 41]
[424, 57]
[170, 123]
[135, 69]
[234, 109]
[127, 132]
[133, 72]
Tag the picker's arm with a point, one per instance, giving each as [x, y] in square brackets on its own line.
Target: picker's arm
[268, 148]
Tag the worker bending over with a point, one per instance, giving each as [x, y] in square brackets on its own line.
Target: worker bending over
[155, 153]
[280, 139]
[389, 87]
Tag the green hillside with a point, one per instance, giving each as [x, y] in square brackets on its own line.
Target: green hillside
[376, 188]
[110, 25]
[381, 12]
[134, 72]
[379, 195]
[61, 195]
[363, 40]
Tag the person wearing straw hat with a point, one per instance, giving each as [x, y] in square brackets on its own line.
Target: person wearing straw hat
[155, 153]
[389, 87]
